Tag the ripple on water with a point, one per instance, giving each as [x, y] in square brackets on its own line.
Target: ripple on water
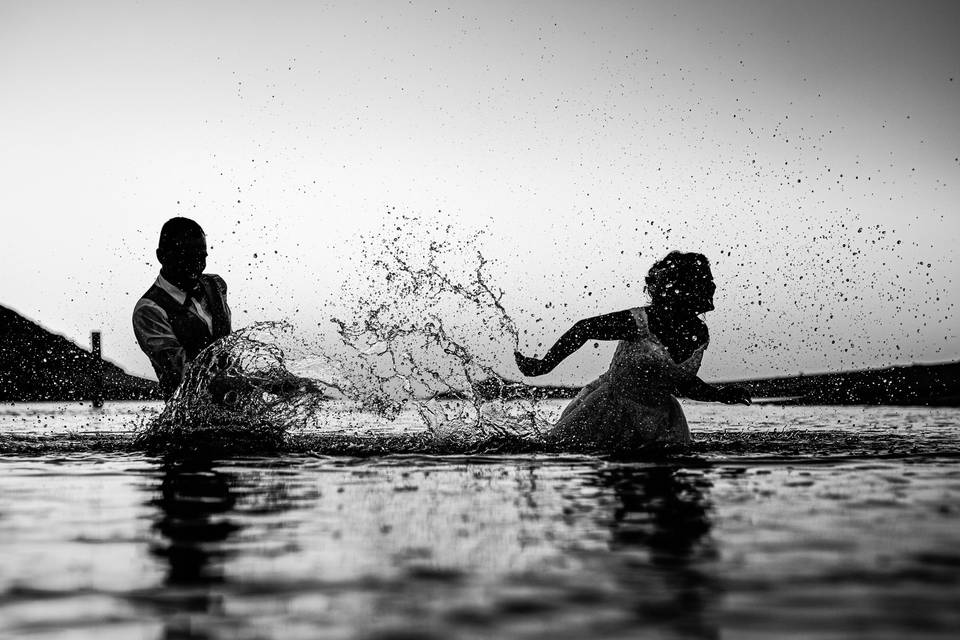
[771, 534]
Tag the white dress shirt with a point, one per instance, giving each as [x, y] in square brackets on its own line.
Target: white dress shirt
[155, 334]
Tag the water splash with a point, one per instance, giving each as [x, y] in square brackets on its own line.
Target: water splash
[417, 339]
[426, 331]
[237, 395]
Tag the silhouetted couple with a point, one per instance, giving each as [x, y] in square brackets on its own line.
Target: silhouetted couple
[630, 406]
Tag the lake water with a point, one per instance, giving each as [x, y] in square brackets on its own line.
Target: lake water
[783, 522]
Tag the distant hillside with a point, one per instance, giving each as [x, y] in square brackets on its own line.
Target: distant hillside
[38, 365]
[933, 385]
[918, 384]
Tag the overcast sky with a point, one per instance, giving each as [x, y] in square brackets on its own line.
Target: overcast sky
[810, 149]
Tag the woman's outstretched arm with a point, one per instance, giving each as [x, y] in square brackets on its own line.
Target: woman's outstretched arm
[619, 325]
[696, 389]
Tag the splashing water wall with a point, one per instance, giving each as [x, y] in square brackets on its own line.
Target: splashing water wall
[419, 324]
[427, 331]
[424, 322]
[238, 395]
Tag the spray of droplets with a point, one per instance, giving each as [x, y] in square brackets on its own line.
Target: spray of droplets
[420, 332]
[236, 396]
[415, 340]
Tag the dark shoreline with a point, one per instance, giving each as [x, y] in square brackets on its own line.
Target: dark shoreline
[37, 365]
[935, 385]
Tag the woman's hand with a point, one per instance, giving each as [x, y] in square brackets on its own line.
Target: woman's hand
[734, 395]
[530, 366]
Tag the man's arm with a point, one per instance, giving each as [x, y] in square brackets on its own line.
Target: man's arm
[156, 339]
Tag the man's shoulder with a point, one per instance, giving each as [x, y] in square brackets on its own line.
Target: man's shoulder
[147, 307]
[148, 299]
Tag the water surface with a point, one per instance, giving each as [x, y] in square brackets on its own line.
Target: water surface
[805, 522]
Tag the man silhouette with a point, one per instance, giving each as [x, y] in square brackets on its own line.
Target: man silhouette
[185, 310]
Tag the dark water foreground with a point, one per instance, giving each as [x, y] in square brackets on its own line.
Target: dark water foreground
[783, 522]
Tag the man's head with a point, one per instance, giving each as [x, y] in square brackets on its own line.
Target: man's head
[182, 251]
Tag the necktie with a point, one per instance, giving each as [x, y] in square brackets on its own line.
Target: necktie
[190, 295]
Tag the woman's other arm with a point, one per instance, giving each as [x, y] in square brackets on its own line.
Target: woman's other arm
[696, 389]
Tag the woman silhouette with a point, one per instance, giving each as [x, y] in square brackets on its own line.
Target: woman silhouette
[661, 346]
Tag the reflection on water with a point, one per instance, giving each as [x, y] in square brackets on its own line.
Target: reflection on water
[652, 521]
[199, 527]
[194, 520]
[667, 514]
[194, 523]
[659, 509]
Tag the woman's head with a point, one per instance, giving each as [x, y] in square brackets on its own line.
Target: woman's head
[683, 282]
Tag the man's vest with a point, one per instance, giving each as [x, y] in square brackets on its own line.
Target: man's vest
[189, 328]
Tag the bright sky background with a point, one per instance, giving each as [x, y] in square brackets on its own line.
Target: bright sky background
[810, 149]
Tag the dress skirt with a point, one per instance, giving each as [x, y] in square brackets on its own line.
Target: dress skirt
[604, 417]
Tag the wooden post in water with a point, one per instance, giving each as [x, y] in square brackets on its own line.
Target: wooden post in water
[95, 353]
